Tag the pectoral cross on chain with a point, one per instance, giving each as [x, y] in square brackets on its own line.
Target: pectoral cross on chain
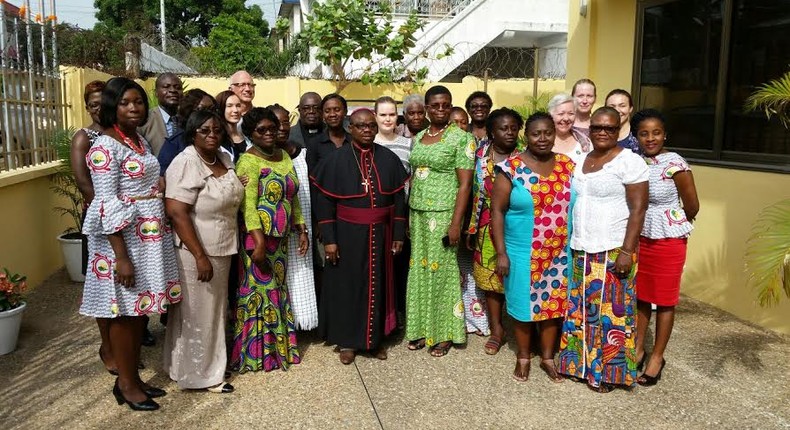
[366, 184]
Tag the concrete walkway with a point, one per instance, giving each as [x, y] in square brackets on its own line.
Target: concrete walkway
[720, 373]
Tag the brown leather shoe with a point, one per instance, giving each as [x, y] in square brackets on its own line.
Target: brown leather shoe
[381, 353]
[347, 356]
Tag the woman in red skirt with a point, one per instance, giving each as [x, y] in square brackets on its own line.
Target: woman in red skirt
[662, 245]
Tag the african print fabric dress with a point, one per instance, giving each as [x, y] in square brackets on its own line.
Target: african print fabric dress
[127, 200]
[264, 330]
[536, 239]
[480, 223]
[434, 306]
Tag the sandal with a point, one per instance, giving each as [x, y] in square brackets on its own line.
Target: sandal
[494, 344]
[416, 345]
[521, 372]
[441, 349]
[603, 388]
[550, 368]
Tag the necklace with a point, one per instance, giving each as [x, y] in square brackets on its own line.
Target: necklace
[266, 153]
[365, 178]
[428, 132]
[128, 141]
[204, 160]
[602, 159]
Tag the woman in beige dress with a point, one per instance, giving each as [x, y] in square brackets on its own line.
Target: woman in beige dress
[203, 196]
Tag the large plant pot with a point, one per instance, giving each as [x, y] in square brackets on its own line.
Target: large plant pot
[10, 321]
[71, 245]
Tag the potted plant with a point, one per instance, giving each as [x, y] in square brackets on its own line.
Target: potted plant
[64, 184]
[11, 308]
[768, 248]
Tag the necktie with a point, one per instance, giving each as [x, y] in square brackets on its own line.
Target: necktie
[169, 125]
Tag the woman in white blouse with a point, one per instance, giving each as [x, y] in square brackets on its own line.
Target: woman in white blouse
[610, 190]
[203, 196]
[567, 140]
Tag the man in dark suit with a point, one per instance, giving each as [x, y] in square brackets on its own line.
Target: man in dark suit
[162, 122]
[310, 125]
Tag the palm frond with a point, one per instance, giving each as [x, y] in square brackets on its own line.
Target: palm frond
[773, 98]
[768, 254]
[63, 182]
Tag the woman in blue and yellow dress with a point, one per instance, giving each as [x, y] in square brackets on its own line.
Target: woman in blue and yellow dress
[264, 330]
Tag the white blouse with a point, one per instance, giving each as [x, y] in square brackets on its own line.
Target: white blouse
[600, 213]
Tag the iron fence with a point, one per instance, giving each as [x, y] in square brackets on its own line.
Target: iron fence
[426, 8]
[31, 92]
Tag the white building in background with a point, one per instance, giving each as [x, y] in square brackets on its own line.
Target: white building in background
[498, 38]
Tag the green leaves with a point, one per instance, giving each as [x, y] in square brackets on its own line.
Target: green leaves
[63, 182]
[341, 31]
[772, 98]
[768, 254]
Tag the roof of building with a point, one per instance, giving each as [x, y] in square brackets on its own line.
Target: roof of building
[155, 61]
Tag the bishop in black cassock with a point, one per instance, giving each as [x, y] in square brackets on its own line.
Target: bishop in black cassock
[360, 208]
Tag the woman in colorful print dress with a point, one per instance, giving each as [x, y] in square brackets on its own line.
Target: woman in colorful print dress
[529, 220]
[599, 333]
[442, 160]
[132, 265]
[662, 246]
[264, 330]
[503, 126]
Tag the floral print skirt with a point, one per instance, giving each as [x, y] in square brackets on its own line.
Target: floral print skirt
[263, 329]
[434, 306]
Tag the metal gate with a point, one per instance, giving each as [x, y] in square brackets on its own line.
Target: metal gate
[31, 89]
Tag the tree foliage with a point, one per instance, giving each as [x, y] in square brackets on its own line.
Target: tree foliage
[344, 31]
[188, 21]
[100, 48]
[773, 98]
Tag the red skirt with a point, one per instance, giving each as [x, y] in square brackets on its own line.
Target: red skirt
[660, 268]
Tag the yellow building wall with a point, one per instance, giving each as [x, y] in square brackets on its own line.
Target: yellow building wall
[28, 225]
[601, 47]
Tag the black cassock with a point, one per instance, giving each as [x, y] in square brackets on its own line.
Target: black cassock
[362, 215]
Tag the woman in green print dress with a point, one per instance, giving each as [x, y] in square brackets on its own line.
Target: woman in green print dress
[264, 330]
[442, 161]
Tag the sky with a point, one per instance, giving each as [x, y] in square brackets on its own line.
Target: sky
[81, 12]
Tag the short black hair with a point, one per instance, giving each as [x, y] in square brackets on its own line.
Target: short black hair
[478, 95]
[337, 97]
[251, 119]
[195, 120]
[496, 115]
[112, 94]
[162, 77]
[538, 116]
[437, 90]
[607, 110]
[190, 101]
[643, 115]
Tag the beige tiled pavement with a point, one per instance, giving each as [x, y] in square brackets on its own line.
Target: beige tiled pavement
[722, 373]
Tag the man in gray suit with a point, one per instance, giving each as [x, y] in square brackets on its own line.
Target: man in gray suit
[162, 122]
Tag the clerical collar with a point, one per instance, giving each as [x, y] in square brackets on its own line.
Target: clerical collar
[361, 149]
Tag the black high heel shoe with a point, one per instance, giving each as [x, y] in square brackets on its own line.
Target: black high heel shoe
[147, 405]
[154, 392]
[649, 381]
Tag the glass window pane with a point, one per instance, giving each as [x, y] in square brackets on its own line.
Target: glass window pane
[759, 52]
[681, 44]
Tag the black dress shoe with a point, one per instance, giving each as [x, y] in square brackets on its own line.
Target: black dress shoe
[148, 338]
[222, 388]
[154, 392]
[146, 405]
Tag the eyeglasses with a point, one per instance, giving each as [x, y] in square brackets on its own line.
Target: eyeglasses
[609, 129]
[205, 131]
[365, 126]
[479, 106]
[264, 130]
[442, 106]
[243, 85]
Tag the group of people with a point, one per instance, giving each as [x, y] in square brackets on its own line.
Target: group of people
[246, 229]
